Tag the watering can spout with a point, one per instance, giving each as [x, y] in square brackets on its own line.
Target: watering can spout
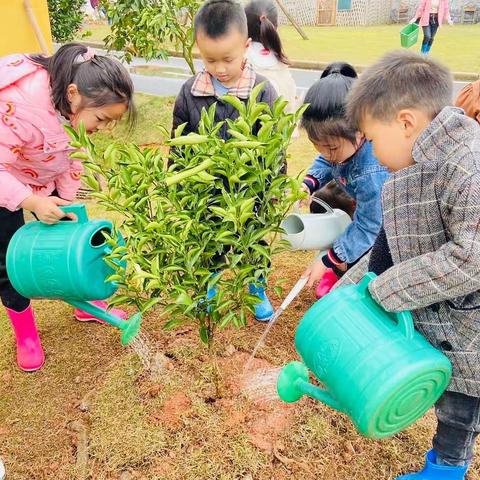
[293, 383]
[129, 328]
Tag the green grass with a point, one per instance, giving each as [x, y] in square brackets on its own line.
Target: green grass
[457, 46]
[94, 32]
[152, 112]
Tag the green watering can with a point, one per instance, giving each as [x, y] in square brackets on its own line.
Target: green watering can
[374, 365]
[66, 261]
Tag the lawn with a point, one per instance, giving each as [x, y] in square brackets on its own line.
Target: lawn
[457, 46]
[95, 411]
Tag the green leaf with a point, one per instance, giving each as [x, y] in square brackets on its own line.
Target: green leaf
[261, 250]
[92, 182]
[174, 323]
[235, 102]
[256, 92]
[278, 290]
[150, 304]
[183, 299]
[190, 139]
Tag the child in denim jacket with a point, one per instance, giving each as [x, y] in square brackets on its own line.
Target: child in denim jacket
[346, 157]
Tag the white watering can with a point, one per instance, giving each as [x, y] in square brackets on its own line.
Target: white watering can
[315, 231]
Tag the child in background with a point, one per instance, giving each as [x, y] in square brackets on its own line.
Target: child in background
[265, 53]
[469, 100]
[222, 40]
[347, 158]
[38, 95]
[431, 232]
[430, 15]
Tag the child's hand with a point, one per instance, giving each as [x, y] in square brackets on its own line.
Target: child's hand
[314, 273]
[305, 202]
[46, 208]
[413, 20]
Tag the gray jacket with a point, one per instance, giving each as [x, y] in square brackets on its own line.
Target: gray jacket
[432, 224]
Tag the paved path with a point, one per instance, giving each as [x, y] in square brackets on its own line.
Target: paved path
[171, 86]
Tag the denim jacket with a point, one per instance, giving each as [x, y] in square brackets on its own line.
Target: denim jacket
[362, 177]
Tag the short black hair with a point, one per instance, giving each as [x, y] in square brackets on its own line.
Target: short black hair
[216, 17]
[325, 116]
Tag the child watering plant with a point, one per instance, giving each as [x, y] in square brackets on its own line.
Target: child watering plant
[38, 96]
[347, 158]
[222, 38]
[427, 255]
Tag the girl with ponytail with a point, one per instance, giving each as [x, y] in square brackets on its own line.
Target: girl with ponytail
[38, 96]
[347, 167]
[266, 53]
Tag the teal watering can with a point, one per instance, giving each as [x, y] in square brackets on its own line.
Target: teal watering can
[375, 366]
[66, 261]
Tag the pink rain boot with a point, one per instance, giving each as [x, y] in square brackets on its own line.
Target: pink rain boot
[327, 282]
[30, 356]
[82, 316]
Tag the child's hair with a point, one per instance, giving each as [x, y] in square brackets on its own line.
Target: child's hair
[216, 17]
[325, 116]
[100, 80]
[262, 20]
[401, 79]
[334, 196]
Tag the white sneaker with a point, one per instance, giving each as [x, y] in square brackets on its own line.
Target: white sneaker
[2, 470]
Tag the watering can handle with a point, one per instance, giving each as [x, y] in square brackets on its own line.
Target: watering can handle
[404, 319]
[79, 210]
[319, 201]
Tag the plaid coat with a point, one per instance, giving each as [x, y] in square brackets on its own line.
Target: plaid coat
[432, 225]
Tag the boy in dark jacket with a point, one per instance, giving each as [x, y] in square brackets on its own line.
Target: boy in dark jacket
[428, 254]
[221, 34]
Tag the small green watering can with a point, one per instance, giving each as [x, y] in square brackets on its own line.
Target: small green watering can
[374, 365]
[66, 261]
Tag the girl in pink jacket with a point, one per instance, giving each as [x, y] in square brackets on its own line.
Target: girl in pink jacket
[38, 96]
[430, 15]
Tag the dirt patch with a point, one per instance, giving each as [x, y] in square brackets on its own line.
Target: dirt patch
[174, 409]
[168, 425]
[232, 369]
[265, 429]
[268, 417]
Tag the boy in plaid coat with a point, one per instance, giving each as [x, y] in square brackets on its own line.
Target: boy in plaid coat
[428, 254]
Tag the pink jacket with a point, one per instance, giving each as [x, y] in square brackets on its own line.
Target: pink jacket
[424, 9]
[34, 147]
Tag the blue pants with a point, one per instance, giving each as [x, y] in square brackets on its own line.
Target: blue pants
[430, 31]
